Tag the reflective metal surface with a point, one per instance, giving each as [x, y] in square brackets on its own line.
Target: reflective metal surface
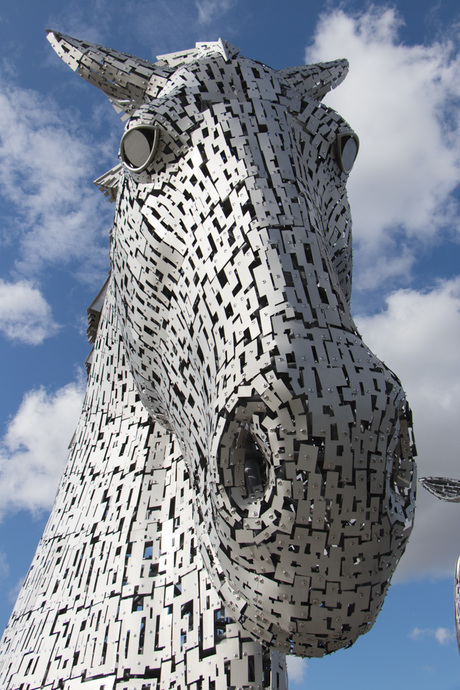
[241, 483]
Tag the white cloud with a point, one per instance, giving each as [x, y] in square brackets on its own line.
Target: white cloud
[46, 167]
[209, 10]
[297, 668]
[4, 566]
[419, 633]
[25, 316]
[400, 100]
[34, 449]
[442, 635]
[418, 335]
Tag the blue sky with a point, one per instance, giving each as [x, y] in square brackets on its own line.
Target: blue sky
[57, 134]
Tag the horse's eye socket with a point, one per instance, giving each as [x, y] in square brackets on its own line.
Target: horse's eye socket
[347, 150]
[138, 146]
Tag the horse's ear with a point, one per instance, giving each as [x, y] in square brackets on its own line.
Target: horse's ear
[127, 80]
[315, 81]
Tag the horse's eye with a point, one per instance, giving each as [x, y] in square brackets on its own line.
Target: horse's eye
[347, 150]
[138, 146]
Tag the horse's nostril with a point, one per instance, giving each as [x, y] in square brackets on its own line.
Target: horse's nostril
[255, 471]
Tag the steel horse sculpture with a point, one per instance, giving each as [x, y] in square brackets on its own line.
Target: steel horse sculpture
[241, 483]
[448, 489]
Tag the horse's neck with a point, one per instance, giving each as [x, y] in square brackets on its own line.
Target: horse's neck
[117, 591]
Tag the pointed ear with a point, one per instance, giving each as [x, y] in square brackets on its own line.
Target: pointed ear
[315, 81]
[127, 80]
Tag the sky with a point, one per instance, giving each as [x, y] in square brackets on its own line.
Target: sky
[57, 134]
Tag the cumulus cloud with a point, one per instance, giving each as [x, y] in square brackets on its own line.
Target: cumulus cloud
[46, 167]
[418, 336]
[442, 635]
[400, 100]
[209, 10]
[25, 316]
[4, 566]
[297, 669]
[34, 449]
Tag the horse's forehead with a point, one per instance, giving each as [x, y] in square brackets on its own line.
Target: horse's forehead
[211, 84]
[215, 80]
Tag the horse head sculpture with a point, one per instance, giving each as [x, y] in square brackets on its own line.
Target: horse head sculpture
[231, 261]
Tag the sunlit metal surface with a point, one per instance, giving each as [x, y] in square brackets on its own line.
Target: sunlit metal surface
[457, 601]
[241, 482]
[448, 490]
[443, 488]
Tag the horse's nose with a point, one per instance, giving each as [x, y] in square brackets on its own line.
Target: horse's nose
[243, 453]
[261, 445]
